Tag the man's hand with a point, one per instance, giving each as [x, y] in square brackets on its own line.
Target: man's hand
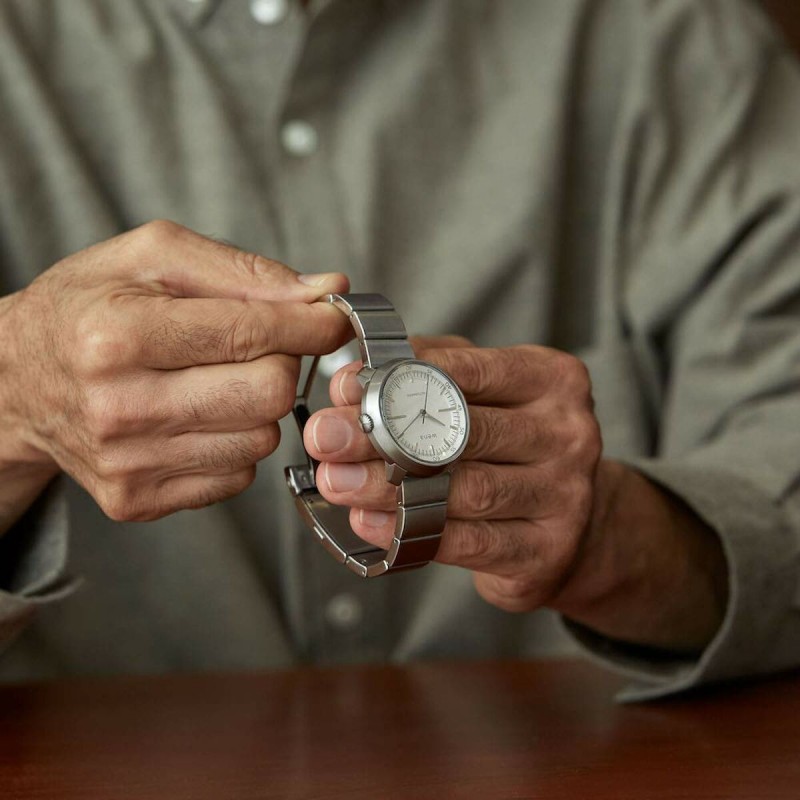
[533, 511]
[153, 368]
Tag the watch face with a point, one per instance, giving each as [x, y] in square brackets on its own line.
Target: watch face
[424, 412]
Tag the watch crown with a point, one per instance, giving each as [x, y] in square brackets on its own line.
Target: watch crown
[365, 423]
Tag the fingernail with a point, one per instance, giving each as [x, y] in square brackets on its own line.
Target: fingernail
[345, 477]
[373, 519]
[330, 434]
[349, 388]
[311, 279]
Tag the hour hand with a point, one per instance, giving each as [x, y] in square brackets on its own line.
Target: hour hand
[433, 419]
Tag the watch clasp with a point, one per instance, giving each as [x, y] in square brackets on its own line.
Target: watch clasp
[303, 477]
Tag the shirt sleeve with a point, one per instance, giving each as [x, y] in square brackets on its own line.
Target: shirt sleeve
[33, 563]
[705, 235]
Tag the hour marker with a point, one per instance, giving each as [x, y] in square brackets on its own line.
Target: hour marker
[449, 408]
[452, 427]
[403, 416]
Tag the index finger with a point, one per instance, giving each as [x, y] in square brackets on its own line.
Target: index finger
[177, 333]
[184, 263]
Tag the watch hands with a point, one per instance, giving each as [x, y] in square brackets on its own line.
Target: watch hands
[424, 411]
[433, 419]
[421, 414]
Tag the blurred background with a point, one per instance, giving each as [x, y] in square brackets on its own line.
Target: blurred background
[787, 14]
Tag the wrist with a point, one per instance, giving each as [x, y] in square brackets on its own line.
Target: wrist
[598, 573]
[651, 572]
[25, 469]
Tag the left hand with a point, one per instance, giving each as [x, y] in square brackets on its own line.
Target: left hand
[521, 497]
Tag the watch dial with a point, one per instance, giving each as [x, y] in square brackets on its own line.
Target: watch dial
[424, 411]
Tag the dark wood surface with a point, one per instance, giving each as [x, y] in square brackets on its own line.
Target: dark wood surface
[548, 730]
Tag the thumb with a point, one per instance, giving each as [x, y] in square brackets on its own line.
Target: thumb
[188, 264]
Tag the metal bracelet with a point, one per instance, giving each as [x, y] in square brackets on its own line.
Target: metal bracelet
[421, 502]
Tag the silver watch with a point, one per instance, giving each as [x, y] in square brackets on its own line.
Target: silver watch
[416, 418]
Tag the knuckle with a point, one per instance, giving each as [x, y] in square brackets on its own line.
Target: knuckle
[470, 543]
[228, 454]
[233, 400]
[117, 500]
[239, 481]
[198, 406]
[267, 440]
[470, 367]
[107, 415]
[158, 232]
[222, 488]
[480, 490]
[515, 593]
[254, 265]
[491, 431]
[279, 388]
[101, 348]
[585, 440]
[574, 375]
[245, 334]
[583, 496]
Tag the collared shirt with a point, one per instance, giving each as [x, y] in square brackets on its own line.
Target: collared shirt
[616, 179]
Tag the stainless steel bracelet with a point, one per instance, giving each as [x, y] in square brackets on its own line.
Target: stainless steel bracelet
[421, 502]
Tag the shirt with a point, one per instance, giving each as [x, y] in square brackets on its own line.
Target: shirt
[617, 179]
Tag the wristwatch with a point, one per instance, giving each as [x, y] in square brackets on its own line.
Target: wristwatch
[416, 418]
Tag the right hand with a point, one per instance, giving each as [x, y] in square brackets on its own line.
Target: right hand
[153, 367]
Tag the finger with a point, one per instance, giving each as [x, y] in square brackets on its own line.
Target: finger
[375, 527]
[187, 264]
[360, 484]
[344, 388]
[497, 435]
[515, 592]
[422, 344]
[213, 452]
[179, 493]
[478, 491]
[333, 434]
[502, 548]
[168, 333]
[510, 375]
[501, 435]
[227, 397]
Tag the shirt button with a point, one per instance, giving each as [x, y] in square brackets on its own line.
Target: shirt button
[299, 138]
[344, 612]
[268, 12]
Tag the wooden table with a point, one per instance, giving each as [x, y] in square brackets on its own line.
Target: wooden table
[547, 730]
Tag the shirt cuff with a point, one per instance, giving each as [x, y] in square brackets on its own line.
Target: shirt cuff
[761, 553]
[33, 562]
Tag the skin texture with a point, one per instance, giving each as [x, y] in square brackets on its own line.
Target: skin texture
[534, 511]
[153, 368]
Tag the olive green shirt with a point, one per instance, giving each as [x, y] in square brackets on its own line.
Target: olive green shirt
[617, 179]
